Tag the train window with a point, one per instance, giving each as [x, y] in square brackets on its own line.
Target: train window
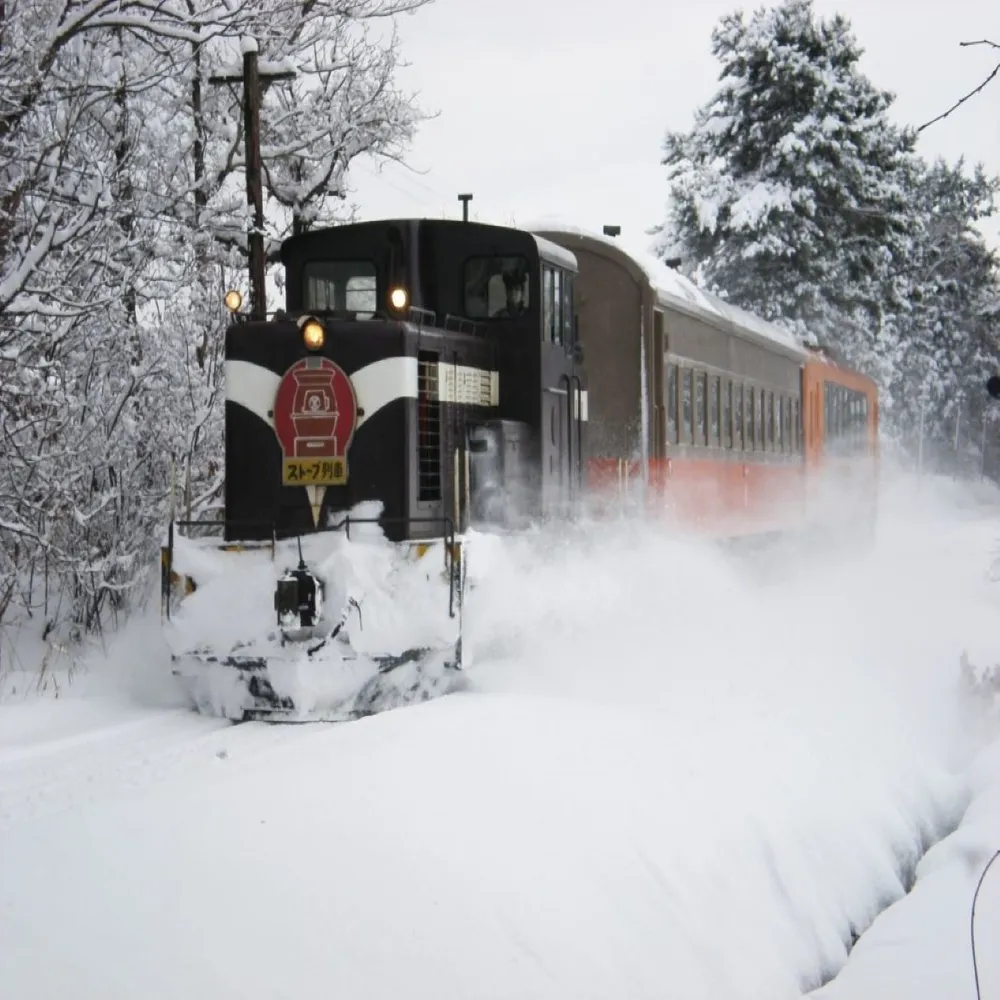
[738, 414]
[672, 391]
[340, 286]
[751, 418]
[727, 414]
[761, 420]
[769, 420]
[845, 413]
[546, 301]
[496, 287]
[567, 310]
[556, 321]
[713, 411]
[779, 423]
[700, 387]
[686, 393]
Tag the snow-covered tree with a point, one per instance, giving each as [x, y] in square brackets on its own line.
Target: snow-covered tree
[786, 196]
[122, 213]
[949, 332]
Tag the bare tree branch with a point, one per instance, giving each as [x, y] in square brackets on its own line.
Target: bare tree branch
[972, 93]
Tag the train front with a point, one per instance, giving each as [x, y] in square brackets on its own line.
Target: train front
[321, 593]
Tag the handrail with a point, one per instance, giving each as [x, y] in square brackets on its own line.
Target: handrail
[579, 427]
[569, 428]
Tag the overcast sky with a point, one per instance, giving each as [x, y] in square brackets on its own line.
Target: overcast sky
[559, 107]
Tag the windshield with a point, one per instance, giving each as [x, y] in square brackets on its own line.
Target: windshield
[496, 287]
[341, 286]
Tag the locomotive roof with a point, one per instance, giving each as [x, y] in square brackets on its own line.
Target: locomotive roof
[555, 253]
[552, 252]
[674, 291]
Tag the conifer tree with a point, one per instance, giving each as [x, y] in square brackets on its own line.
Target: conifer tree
[788, 195]
[949, 332]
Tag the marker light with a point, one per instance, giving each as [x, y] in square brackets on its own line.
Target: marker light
[398, 298]
[313, 334]
[233, 300]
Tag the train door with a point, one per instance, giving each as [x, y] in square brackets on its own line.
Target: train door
[812, 414]
[658, 387]
[561, 404]
[556, 444]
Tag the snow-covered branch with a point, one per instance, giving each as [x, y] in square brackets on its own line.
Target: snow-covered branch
[122, 222]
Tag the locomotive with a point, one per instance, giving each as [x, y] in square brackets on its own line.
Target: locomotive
[404, 388]
[428, 378]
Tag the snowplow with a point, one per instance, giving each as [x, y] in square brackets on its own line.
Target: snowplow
[356, 626]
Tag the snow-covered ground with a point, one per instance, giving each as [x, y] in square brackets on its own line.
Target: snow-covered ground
[674, 775]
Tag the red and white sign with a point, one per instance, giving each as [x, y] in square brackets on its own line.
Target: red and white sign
[315, 416]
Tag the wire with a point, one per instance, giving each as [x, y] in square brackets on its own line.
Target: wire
[972, 922]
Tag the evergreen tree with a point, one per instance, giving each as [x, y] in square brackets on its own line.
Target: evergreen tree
[949, 332]
[787, 195]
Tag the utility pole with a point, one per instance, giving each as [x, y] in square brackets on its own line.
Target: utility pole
[251, 77]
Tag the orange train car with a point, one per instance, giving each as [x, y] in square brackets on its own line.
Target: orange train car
[704, 411]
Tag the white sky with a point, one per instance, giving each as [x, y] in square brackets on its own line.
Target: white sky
[559, 107]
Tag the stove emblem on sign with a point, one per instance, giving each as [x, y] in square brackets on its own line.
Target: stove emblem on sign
[315, 415]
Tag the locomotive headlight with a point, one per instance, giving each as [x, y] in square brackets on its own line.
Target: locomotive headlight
[398, 299]
[233, 300]
[313, 334]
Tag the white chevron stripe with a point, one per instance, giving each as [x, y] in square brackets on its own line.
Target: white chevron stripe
[252, 387]
[376, 385]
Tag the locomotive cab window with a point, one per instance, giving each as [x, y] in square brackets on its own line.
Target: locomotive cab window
[496, 287]
[555, 329]
[341, 286]
[567, 310]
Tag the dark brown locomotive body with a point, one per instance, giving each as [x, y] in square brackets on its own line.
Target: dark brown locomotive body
[469, 393]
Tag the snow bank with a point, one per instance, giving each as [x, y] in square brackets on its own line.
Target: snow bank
[672, 776]
[921, 948]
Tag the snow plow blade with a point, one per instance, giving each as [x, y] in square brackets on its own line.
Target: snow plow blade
[252, 637]
[270, 690]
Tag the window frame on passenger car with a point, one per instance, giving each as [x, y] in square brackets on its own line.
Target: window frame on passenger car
[672, 402]
[687, 405]
[739, 417]
[700, 415]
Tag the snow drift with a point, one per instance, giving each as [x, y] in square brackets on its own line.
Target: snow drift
[672, 775]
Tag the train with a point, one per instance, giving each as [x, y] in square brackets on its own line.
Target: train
[427, 379]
